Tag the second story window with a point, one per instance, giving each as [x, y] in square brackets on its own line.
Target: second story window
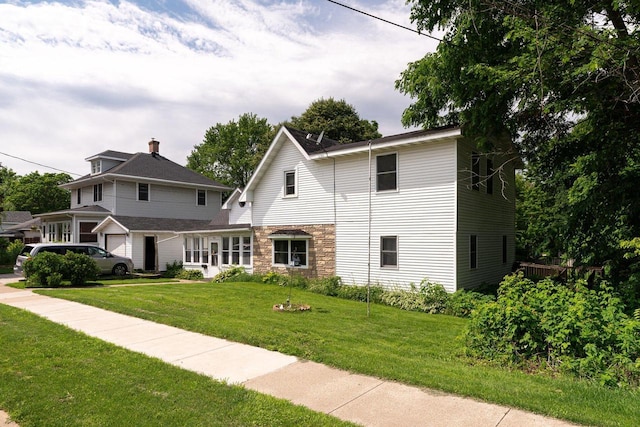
[79, 196]
[290, 183]
[97, 193]
[475, 171]
[143, 192]
[201, 198]
[387, 172]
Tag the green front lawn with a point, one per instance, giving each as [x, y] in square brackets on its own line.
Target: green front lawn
[413, 348]
[52, 376]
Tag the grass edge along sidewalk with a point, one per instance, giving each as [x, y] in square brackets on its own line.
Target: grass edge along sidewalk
[53, 376]
[409, 347]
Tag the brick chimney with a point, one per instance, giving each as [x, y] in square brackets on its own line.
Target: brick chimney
[154, 146]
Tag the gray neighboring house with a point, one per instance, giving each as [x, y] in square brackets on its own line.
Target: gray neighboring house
[19, 225]
[133, 205]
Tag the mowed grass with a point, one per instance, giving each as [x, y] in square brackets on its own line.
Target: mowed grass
[412, 348]
[53, 376]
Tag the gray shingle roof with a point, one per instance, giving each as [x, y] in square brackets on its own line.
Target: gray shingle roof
[15, 217]
[329, 145]
[152, 166]
[134, 223]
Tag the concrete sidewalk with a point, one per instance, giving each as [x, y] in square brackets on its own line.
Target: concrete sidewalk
[357, 398]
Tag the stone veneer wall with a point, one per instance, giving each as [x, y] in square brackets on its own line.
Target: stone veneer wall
[321, 256]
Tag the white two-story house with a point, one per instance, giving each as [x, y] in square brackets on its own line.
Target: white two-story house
[133, 205]
[393, 211]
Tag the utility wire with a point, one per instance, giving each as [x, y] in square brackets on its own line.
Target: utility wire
[384, 20]
[40, 164]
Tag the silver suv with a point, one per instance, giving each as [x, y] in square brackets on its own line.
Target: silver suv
[107, 262]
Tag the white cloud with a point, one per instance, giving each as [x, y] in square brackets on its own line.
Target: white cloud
[79, 79]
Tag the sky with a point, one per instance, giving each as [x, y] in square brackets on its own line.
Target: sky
[81, 77]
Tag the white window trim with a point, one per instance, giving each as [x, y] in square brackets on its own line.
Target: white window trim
[206, 198]
[229, 251]
[203, 250]
[95, 192]
[393, 190]
[79, 196]
[96, 167]
[295, 183]
[138, 192]
[397, 265]
[289, 238]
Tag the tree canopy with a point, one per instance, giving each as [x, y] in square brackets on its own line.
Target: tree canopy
[562, 79]
[337, 119]
[230, 152]
[37, 193]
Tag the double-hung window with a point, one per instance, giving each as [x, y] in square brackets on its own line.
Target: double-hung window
[97, 193]
[387, 172]
[143, 192]
[475, 171]
[292, 252]
[290, 184]
[389, 251]
[201, 198]
[490, 173]
[473, 251]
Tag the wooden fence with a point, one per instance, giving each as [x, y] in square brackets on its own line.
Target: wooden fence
[533, 270]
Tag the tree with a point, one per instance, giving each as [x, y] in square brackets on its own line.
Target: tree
[562, 79]
[7, 176]
[337, 119]
[231, 152]
[38, 193]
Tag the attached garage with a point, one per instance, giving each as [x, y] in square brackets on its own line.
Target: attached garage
[116, 244]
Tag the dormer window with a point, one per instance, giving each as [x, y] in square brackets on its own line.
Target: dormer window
[96, 167]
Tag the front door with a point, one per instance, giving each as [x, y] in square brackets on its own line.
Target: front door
[214, 254]
[150, 253]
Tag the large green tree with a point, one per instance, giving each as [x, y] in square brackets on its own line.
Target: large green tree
[7, 176]
[562, 79]
[337, 119]
[230, 152]
[37, 193]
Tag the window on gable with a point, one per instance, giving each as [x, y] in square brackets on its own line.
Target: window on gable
[389, 251]
[289, 183]
[473, 251]
[143, 192]
[387, 172]
[290, 252]
[475, 171]
[490, 173]
[97, 193]
[201, 198]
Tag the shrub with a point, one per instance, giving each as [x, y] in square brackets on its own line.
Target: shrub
[462, 303]
[429, 298]
[326, 286]
[190, 274]
[80, 268]
[173, 269]
[14, 249]
[45, 269]
[225, 275]
[274, 278]
[359, 293]
[567, 328]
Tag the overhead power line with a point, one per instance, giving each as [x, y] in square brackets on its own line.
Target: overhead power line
[384, 20]
[40, 164]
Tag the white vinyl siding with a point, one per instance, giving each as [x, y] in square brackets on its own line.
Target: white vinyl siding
[314, 201]
[490, 217]
[421, 214]
[143, 192]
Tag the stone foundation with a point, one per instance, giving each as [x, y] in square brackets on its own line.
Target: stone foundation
[321, 259]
